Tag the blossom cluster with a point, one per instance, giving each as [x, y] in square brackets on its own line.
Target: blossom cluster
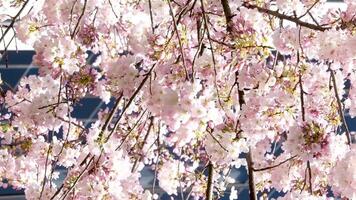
[199, 88]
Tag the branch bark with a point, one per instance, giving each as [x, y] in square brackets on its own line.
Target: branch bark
[228, 14]
[209, 189]
[251, 180]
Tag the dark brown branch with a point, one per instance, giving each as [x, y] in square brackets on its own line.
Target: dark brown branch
[112, 9]
[151, 16]
[77, 179]
[251, 180]
[301, 97]
[200, 47]
[143, 144]
[310, 178]
[209, 189]
[286, 17]
[79, 19]
[217, 141]
[274, 166]
[110, 117]
[228, 14]
[130, 101]
[133, 128]
[14, 20]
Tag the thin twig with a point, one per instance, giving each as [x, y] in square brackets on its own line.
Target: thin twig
[45, 172]
[179, 40]
[143, 144]
[131, 100]
[216, 140]
[131, 130]
[79, 19]
[309, 9]
[13, 20]
[274, 166]
[77, 179]
[212, 52]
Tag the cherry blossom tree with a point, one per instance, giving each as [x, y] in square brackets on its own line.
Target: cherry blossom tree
[200, 87]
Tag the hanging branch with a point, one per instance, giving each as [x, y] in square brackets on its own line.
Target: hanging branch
[301, 97]
[79, 19]
[130, 131]
[110, 117]
[130, 101]
[76, 180]
[143, 144]
[45, 172]
[212, 52]
[158, 156]
[339, 106]
[14, 20]
[308, 169]
[179, 40]
[200, 47]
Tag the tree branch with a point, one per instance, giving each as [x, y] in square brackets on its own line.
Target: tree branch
[251, 181]
[286, 17]
[179, 40]
[274, 166]
[79, 19]
[341, 113]
[228, 14]
[209, 189]
[14, 20]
